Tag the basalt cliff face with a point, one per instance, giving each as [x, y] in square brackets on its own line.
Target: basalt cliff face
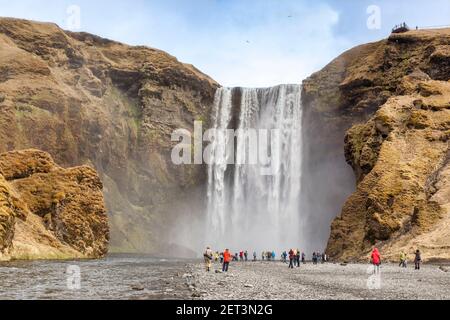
[90, 101]
[381, 109]
[386, 109]
[48, 212]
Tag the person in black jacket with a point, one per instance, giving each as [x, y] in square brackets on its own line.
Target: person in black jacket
[297, 258]
[417, 260]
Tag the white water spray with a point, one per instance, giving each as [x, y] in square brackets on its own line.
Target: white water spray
[246, 209]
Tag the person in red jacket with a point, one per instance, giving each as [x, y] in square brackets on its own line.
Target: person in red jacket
[376, 260]
[226, 260]
[291, 259]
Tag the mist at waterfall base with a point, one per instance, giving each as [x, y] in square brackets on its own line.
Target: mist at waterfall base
[241, 209]
[248, 208]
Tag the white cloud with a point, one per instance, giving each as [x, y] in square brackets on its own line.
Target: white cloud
[283, 47]
[241, 43]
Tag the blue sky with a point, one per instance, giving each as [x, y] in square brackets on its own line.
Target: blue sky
[252, 43]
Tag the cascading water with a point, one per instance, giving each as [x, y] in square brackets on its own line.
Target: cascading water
[255, 205]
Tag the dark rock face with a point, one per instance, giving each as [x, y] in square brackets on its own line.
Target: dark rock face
[88, 100]
[345, 122]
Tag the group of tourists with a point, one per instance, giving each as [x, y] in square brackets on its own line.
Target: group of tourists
[404, 260]
[319, 257]
[375, 259]
[268, 255]
[224, 257]
[294, 256]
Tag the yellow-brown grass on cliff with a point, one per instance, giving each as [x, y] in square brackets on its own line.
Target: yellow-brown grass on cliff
[22, 164]
[7, 215]
[400, 169]
[62, 211]
[74, 201]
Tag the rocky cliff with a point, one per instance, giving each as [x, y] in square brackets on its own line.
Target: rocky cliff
[381, 109]
[48, 212]
[88, 100]
[385, 107]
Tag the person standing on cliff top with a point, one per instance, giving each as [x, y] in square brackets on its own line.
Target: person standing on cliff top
[376, 260]
[254, 255]
[246, 255]
[208, 256]
[297, 258]
[226, 260]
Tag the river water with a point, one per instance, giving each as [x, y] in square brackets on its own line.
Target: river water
[115, 277]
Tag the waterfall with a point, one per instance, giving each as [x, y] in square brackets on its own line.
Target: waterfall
[253, 200]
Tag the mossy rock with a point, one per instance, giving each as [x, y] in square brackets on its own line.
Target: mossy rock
[418, 120]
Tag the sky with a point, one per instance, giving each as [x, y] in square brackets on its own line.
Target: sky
[250, 43]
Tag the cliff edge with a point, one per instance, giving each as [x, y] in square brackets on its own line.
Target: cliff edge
[87, 100]
[386, 107]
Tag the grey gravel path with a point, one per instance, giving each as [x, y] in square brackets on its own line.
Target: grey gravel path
[273, 280]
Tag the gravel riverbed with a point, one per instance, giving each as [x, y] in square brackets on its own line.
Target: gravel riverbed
[138, 277]
[273, 280]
